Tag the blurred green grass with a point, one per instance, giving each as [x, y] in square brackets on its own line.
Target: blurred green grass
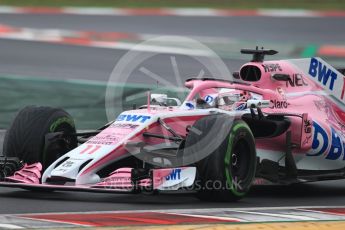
[84, 100]
[236, 4]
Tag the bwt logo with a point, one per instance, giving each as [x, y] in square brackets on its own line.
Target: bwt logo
[133, 118]
[174, 175]
[322, 72]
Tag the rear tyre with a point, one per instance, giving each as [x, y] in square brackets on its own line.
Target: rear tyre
[26, 137]
[227, 173]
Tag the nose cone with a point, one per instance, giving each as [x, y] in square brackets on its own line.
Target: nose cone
[69, 169]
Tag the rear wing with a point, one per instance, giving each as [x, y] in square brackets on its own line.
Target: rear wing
[331, 80]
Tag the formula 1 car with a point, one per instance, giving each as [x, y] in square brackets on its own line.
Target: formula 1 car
[275, 122]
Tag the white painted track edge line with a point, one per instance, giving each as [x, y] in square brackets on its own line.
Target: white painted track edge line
[182, 210]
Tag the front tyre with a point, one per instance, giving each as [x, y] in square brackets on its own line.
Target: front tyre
[227, 173]
[26, 137]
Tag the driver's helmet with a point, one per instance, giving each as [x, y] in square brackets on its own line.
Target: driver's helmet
[244, 95]
[233, 100]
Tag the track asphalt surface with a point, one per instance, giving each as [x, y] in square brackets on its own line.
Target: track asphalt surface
[13, 201]
[72, 62]
[36, 59]
[260, 29]
[66, 62]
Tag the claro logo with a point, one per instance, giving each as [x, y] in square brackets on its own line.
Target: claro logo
[276, 104]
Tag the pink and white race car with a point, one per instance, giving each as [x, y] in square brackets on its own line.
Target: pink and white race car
[276, 122]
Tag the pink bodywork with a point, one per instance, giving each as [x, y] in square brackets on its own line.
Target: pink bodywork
[300, 99]
[29, 174]
[120, 178]
[303, 106]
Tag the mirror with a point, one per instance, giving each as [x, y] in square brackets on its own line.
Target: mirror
[164, 100]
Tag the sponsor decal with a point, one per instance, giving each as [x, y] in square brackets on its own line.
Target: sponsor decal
[263, 103]
[133, 118]
[325, 106]
[321, 105]
[320, 140]
[272, 67]
[322, 73]
[332, 81]
[174, 175]
[323, 142]
[241, 106]
[190, 105]
[277, 104]
[296, 81]
[307, 126]
[281, 92]
[64, 167]
[67, 164]
[209, 99]
[115, 133]
[307, 140]
[106, 139]
[123, 126]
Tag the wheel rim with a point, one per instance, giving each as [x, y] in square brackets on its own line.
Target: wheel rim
[240, 162]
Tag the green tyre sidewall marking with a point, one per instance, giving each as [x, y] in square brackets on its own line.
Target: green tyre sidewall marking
[60, 121]
[227, 158]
